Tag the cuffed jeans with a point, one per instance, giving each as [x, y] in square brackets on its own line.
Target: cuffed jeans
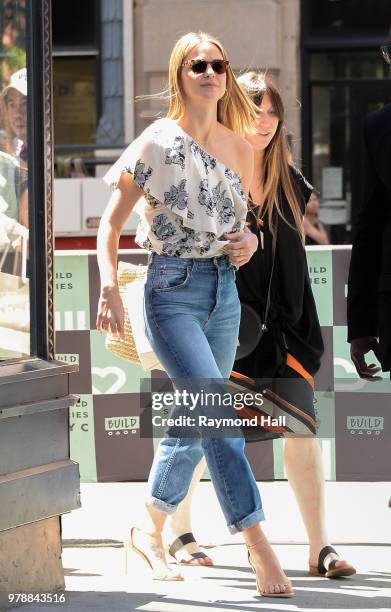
[192, 315]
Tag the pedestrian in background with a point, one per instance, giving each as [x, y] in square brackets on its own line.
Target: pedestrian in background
[369, 285]
[314, 230]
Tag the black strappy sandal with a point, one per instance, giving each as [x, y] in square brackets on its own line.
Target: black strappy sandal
[179, 543]
[331, 571]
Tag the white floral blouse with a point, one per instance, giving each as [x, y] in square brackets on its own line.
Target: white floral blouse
[190, 198]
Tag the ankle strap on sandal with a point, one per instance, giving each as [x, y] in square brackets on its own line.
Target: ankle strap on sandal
[263, 539]
[152, 534]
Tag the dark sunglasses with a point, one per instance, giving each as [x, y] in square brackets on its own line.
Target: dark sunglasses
[219, 66]
[386, 52]
[257, 98]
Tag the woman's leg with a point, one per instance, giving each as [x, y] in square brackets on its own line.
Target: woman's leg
[148, 541]
[171, 473]
[179, 524]
[304, 468]
[270, 577]
[188, 326]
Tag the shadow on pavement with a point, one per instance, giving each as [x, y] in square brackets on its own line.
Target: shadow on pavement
[123, 601]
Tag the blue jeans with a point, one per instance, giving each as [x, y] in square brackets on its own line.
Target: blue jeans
[192, 315]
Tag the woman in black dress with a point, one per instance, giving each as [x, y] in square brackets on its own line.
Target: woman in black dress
[290, 351]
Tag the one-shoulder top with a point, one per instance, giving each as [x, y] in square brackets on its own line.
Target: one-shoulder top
[190, 198]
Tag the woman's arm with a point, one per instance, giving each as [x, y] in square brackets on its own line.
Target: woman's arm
[316, 232]
[110, 316]
[24, 209]
[243, 244]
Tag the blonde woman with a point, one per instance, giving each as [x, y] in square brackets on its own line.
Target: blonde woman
[194, 171]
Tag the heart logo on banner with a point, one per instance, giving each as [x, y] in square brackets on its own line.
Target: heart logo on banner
[110, 370]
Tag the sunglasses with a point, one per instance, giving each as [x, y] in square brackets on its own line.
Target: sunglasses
[386, 52]
[257, 98]
[219, 66]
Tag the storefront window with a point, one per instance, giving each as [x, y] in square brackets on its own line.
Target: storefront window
[348, 65]
[344, 87]
[331, 142]
[14, 215]
[75, 104]
[87, 83]
[343, 18]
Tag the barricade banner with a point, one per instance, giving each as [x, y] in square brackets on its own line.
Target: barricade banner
[354, 428]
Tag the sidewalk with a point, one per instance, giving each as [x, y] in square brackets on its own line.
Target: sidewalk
[94, 571]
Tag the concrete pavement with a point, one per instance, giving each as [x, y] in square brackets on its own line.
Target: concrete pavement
[94, 571]
[95, 582]
[356, 512]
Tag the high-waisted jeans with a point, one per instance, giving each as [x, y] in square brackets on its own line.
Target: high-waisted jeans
[192, 315]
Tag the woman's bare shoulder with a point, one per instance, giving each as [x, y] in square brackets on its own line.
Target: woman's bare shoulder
[241, 150]
[227, 134]
[244, 147]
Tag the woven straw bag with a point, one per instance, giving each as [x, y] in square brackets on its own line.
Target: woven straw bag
[126, 349]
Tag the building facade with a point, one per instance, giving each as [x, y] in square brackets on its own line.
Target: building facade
[324, 57]
[135, 41]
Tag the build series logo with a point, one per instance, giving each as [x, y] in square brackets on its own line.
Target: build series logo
[122, 426]
[365, 425]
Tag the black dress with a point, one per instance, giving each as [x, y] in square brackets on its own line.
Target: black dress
[293, 345]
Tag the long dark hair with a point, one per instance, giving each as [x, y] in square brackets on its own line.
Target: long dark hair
[277, 177]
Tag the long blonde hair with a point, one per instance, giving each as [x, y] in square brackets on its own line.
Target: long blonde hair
[277, 178]
[235, 109]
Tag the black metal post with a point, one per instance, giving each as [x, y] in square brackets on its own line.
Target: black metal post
[40, 158]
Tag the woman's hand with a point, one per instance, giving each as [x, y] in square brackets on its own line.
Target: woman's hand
[242, 246]
[110, 316]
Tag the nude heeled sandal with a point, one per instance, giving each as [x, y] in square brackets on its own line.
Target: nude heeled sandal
[129, 546]
[264, 593]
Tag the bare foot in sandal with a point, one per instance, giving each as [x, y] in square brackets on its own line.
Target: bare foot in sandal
[185, 550]
[327, 563]
[149, 547]
[271, 579]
